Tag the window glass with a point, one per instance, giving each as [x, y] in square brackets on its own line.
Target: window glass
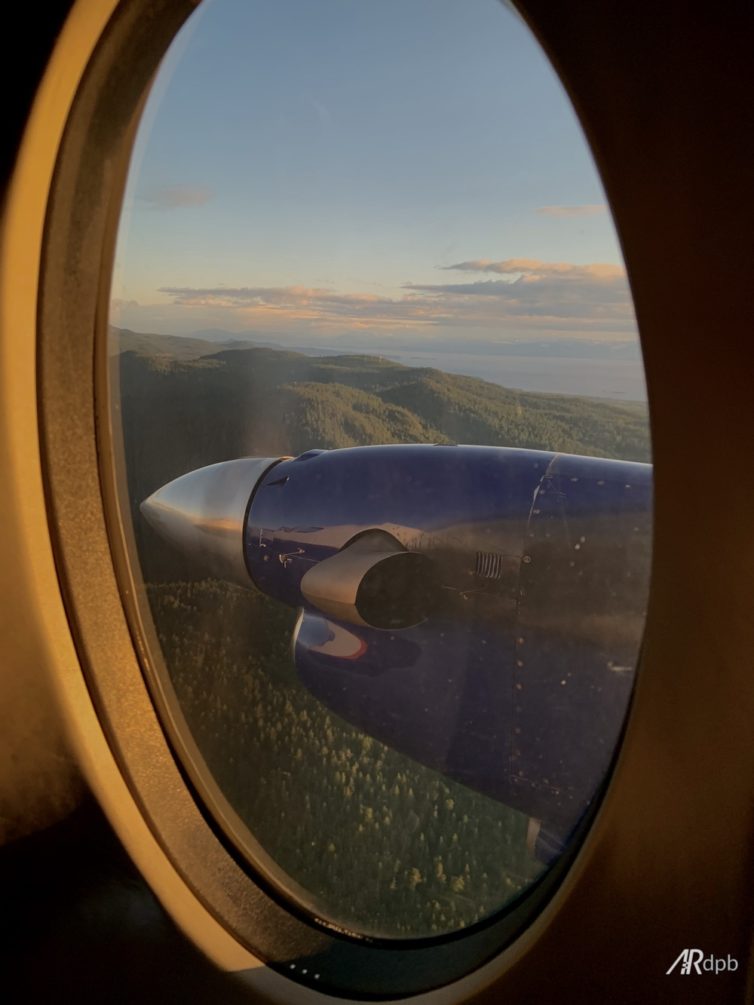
[379, 415]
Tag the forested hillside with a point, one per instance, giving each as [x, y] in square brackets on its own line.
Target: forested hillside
[376, 840]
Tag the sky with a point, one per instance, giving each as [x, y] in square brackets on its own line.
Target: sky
[326, 171]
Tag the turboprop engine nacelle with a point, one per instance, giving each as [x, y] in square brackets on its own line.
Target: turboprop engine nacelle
[479, 609]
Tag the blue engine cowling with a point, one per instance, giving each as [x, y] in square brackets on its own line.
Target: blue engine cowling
[479, 609]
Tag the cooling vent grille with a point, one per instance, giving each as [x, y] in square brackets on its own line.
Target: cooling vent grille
[489, 564]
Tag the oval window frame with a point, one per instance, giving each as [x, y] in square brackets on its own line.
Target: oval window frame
[78, 248]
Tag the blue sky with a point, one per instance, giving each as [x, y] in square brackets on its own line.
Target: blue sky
[408, 169]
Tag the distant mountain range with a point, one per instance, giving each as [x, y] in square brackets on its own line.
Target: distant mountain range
[560, 348]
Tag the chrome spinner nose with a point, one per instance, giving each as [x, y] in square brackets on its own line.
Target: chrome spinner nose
[202, 513]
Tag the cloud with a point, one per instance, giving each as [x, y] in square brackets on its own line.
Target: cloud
[533, 268]
[528, 295]
[176, 196]
[266, 304]
[529, 290]
[567, 212]
[566, 305]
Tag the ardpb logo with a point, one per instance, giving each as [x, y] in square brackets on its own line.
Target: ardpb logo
[694, 961]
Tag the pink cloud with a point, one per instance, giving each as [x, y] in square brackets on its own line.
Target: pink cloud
[568, 212]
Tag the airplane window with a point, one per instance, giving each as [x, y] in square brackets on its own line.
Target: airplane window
[383, 449]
